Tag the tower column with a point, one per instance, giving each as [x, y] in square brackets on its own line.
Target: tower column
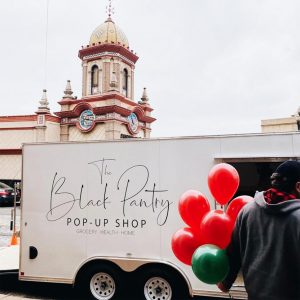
[84, 79]
[112, 130]
[43, 110]
[106, 77]
[64, 133]
[132, 84]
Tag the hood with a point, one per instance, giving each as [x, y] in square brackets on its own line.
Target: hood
[284, 207]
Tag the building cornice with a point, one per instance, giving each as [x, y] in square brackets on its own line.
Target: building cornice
[53, 119]
[92, 52]
[27, 118]
[21, 118]
[96, 98]
[102, 110]
[10, 151]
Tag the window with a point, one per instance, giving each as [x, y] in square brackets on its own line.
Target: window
[125, 82]
[94, 79]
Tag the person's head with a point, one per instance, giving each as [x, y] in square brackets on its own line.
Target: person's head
[286, 177]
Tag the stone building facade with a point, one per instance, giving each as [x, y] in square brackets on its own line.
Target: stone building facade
[106, 110]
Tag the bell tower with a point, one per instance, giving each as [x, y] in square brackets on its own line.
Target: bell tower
[107, 109]
[107, 62]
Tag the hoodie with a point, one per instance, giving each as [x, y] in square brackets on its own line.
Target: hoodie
[266, 245]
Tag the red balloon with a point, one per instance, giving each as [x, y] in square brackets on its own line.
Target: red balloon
[223, 182]
[236, 205]
[184, 243]
[192, 206]
[216, 228]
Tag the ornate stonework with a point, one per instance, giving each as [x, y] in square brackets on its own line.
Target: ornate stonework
[107, 109]
[107, 90]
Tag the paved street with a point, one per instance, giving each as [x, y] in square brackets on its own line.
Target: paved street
[11, 288]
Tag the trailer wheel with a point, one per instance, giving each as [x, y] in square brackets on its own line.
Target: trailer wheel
[101, 282]
[157, 288]
[161, 284]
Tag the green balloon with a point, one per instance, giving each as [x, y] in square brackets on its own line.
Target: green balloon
[210, 264]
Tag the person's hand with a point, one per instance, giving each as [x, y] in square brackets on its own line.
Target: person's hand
[222, 287]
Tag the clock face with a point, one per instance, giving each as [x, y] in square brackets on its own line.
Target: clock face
[133, 122]
[86, 119]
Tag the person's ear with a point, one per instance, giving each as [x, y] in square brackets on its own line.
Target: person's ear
[297, 186]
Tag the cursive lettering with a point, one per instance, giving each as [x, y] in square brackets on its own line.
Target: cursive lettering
[67, 200]
[158, 206]
[102, 167]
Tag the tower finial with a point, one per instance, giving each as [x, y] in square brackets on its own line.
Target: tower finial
[145, 98]
[109, 9]
[44, 104]
[68, 91]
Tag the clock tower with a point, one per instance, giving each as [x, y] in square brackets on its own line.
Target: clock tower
[107, 109]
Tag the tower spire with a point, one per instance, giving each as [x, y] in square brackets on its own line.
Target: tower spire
[109, 9]
[144, 98]
[44, 104]
[68, 91]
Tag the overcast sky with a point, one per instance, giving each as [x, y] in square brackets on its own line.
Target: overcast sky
[210, 66]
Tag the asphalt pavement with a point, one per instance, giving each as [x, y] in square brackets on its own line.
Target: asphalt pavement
[12, 288]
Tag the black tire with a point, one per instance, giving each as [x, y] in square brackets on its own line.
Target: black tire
[100, 281]
[161, 283]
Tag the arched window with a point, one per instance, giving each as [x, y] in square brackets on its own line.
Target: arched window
[94, 79]
[125, 82]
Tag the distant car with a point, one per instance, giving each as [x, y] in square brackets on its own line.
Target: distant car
[7, 194]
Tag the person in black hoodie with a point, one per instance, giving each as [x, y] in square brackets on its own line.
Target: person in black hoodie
[265, 242]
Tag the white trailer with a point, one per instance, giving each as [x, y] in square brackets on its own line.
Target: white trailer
[102, 214]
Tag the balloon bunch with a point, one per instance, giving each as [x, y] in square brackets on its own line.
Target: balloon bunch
[202, 244]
